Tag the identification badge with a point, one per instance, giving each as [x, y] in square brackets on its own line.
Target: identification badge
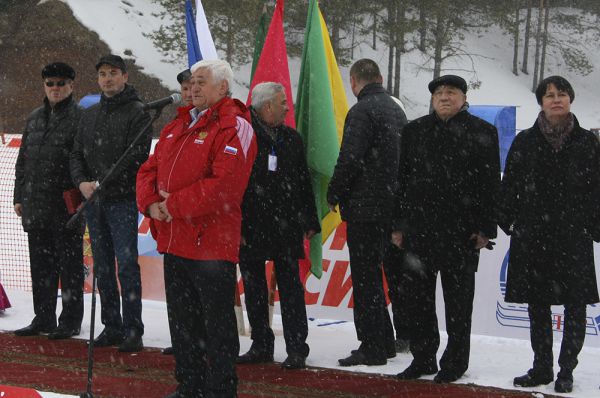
[272, 163]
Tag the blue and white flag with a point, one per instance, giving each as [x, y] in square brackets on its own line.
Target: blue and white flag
[193, 48]
[205, 40]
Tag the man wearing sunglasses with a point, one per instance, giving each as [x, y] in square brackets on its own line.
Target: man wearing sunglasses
[42, 176]
[105, 132]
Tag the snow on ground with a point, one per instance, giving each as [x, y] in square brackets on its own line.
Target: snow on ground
[494, 361]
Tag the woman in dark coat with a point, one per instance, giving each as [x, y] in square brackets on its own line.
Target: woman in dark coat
[550, 208]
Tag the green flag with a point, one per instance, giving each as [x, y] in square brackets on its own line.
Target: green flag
[321, 108]
[259, 40]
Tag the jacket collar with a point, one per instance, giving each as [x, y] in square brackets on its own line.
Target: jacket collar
[127, 95]
[183, 112]
[461, 115]
[226, 107]
[371, 88]
[58, 107]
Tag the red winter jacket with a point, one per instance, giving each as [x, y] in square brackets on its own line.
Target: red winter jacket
[205, 169]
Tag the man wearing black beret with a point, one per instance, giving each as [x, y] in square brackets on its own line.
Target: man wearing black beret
[445, 214]
[41, 178]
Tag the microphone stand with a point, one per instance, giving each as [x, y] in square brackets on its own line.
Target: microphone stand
[71, 222]
[75, 217]
[88, 391]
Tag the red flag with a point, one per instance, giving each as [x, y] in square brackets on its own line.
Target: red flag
[273, 62]
[273, 67]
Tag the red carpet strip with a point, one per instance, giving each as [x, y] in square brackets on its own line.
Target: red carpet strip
[61, 366]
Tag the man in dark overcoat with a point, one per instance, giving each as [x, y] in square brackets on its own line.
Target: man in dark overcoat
[41, 178]
[278, 213]
[449, 181]
[364, 184]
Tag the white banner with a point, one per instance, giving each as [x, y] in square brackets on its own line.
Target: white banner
[330, 297]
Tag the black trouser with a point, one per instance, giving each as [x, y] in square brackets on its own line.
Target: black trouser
[458, 289]
[371, 317]
[200, 300]
[291, 298]
[392, 265]
[540, 317]
[54, 254]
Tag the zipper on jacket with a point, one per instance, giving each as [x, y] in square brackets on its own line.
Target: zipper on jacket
[169, 183]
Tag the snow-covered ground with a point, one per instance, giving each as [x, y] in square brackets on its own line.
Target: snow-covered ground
[494, 361]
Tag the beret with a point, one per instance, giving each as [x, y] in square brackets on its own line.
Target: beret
[58, 69]
[448, 80]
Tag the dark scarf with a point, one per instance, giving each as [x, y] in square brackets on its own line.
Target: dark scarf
[271, 132]
[556, 135]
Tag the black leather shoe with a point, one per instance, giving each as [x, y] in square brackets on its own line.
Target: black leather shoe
[564, 381]
[294, 361]
[390, 350]
[389, 353]
[109, 337]
[255, 356]
[357, 357]
[168, 351]
[446, 376]
[34, 329]
[133, 343]
[563, 385]
[402, 346]
[63, 332]
[416, 370]
[533, 378]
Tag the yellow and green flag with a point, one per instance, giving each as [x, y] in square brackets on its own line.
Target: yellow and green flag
[321, 108]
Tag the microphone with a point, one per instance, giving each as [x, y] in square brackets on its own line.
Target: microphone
[174, 98]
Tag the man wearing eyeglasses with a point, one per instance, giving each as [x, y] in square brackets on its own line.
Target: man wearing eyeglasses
[41, 178]
[105, 132]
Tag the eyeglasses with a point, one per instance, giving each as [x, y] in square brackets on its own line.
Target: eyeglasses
[60, 83]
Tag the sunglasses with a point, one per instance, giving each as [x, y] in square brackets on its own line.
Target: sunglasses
[60, 83]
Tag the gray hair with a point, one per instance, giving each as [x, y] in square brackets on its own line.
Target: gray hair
[264, 93]
[221, 70]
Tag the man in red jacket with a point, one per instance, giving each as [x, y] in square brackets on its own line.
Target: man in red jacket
[192, 188]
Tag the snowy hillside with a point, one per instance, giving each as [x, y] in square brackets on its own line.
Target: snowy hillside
[121, 25]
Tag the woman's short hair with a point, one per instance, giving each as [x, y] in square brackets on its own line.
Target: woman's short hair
[559, 82]
[263, 93]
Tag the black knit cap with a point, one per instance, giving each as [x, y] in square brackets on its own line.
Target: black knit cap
[58, 69]
[448, 80]
[112, 60]
[184, 76]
